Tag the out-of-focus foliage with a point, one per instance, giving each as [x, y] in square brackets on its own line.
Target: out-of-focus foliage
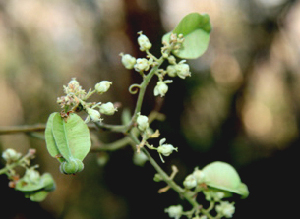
[241, 105]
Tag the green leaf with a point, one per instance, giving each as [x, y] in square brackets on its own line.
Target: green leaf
[196, 29]
[45, 183]
[50, 141]
[222, 176]
[38, 196]
[72, 137]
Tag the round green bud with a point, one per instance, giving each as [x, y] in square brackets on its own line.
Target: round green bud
[157, 177]
[94, 114]
[80, 165]
[140, 158]
[172, 60]
[128, 61]
[144, 42]
[142, 122]
[171, 71]
[70, 167]
[174, 211]
[102, 87]
[108, 108]
[199, 175]
[190, 182]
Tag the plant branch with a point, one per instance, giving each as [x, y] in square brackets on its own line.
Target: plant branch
[8, 130]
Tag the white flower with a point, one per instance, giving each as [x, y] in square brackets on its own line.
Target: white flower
[102, 86]
[142, 64]
[174, 211]
[107, 108]
[226, 209]
[161, 89]
[11, 155]
[128, 61]
[190, 182]
[94, 115]
[144, 42]
[165, 149]
[200, 176]
[183, 70]
[142, 122]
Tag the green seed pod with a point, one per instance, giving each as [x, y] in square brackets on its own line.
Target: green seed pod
[79, 164]
[70, 167]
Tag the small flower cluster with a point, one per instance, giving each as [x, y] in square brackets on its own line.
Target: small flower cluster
[198, 182]
[197, 178]
[142, 65]
[32, 184]
[76, 98]
[162, 149]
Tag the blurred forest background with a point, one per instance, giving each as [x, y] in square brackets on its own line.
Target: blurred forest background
[241, 105]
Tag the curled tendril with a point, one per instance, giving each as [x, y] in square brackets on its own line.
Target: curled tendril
[134, 88]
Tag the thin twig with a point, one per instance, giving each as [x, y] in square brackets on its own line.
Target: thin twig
[8, 130]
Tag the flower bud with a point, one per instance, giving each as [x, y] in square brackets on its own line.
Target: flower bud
[174, 211]
[11, 155]
[172, 60]
[142, 64]
[171, 71]
[225, 209]
[102, 86]
[31, 176]
[144, 42]
[161, 89]
[166, 149]
[140, 159]
[107, 108]
[183, 70]
[199, 175]
[128, 61]
[142, 122]
[94, 115]
[157, 177]
[190, 182]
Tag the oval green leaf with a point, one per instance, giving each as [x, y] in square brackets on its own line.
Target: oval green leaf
[50, 141]
[72, 136]
[38, 196]
[223, 176]
[196, 29]
[46, 183]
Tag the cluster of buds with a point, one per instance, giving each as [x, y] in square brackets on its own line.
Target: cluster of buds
[76, 98]
[225, 209]
[141, 65]
[32, 184]
[182, 70]
[11, 155]
[196, 178]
